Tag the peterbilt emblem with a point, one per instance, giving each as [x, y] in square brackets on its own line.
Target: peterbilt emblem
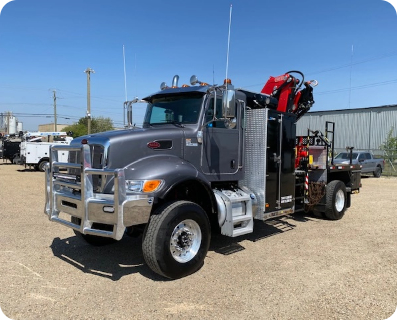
[160, 144]
[153, 145]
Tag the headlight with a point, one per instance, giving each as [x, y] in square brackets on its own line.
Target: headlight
[143, 185]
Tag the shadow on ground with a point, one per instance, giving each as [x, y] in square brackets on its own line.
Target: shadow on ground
[125, 256]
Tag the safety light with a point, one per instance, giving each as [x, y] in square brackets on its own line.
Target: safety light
[227, 81]
[84, 141]
[151, 185]
[108, 209]
[143, 185]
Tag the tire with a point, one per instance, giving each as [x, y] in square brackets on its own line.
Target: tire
[176, 239]
[91, 239]
[336, 200]
[378, 172]
[42, 165]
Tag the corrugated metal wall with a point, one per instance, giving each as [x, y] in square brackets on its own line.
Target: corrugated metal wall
[365, 128]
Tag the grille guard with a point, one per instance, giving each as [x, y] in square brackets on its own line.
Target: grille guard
[86, 204]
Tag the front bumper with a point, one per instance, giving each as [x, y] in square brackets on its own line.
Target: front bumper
[78, 199]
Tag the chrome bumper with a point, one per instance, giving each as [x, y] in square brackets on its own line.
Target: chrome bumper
[78, 199]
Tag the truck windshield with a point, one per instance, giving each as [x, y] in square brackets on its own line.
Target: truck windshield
[346, 156]
[176, 109]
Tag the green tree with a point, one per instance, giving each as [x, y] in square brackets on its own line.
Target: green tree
[98, 124]
[390, 146]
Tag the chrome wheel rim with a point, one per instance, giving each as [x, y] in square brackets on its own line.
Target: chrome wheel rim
[185, 241]
[339, 200]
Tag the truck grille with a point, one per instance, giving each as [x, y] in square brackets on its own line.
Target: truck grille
[98, 161]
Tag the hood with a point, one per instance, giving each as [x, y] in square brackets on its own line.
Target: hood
[123, 147]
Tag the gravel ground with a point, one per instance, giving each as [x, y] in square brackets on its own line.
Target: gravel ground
[296, 267]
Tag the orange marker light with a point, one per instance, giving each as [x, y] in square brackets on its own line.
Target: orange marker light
[151, 185]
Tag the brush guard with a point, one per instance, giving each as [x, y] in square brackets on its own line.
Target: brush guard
[77, 198]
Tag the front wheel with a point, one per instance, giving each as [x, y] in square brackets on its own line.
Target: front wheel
[176, 239]
[42, 165]
[336, 200]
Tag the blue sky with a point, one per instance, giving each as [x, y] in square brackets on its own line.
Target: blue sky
[46, 45]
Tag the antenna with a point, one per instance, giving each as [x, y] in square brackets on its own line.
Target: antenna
[136, 87]
[125, 87]
[228, 41]
[125, 77]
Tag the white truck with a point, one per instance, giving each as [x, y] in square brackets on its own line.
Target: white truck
[34, 152]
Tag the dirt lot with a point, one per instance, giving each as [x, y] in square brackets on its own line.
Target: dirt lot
[297, 267]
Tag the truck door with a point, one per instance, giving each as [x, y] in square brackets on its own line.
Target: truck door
[280, 178]
[364, 160]
[220, 156]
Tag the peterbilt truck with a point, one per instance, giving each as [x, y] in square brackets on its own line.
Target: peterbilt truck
[208, 158]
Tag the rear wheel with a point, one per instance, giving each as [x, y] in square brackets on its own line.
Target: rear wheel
[42, 165]
[336, 200]
[378, 172]
[176, 239]
[91, 239]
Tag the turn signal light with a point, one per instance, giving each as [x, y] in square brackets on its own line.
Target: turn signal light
[151, 185]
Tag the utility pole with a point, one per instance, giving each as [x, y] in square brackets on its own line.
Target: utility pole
[88, 71]
[55, 111]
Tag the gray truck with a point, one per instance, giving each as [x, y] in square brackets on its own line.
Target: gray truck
[209, 158]
[368, 163]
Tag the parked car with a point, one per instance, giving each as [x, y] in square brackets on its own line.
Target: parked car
[365, 159]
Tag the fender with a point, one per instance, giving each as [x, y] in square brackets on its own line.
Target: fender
[172, 169]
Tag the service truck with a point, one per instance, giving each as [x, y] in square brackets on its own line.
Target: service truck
[36, 152]
[209, 158]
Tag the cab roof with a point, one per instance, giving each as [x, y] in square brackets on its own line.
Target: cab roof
[178, 90]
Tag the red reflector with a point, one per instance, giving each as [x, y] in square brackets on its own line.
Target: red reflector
[84, 141]
[153, 145]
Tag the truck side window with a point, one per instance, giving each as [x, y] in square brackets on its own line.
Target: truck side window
[209, 114]
[361, 157]
[368, 156]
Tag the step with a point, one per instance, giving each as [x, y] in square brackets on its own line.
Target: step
[234, 215]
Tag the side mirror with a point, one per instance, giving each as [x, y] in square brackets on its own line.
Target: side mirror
[129, 114]
[194, 80]
[229, 103]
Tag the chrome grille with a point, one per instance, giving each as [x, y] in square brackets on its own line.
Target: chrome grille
[98, 161]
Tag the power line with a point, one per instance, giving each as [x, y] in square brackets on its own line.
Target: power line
[364, 86]
[385, 55]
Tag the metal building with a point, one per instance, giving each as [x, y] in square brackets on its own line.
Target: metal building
[363, 128]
